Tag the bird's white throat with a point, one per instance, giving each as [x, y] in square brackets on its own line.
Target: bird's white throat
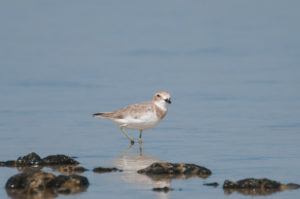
[162, 104]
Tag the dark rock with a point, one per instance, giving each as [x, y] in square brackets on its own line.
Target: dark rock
[106, 169]
[172, 170]
[32, 159]
[29, 183]
[213, 184]
[162, 189]
[252, 186]
[59, 160]
[44, 184]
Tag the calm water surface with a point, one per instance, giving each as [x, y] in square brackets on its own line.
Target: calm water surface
[231, 67]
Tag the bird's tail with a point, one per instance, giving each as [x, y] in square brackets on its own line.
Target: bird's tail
[107, 114]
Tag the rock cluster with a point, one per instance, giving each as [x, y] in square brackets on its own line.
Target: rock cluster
[34, 183]
[62, 163]
[33, 159]
[45, 184]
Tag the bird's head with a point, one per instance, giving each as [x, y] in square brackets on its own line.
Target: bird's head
[162, 99]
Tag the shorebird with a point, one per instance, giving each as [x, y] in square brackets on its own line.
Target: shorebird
[140, 116]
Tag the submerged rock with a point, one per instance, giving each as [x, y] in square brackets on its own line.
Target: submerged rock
[106, 169]
[252, 186]
[44, 184]
[175, 170]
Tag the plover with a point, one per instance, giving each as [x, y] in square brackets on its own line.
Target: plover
[140, 116]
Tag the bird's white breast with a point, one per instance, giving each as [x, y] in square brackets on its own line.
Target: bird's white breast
[144, 121]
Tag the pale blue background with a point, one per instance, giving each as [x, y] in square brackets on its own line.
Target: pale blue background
[232, 68]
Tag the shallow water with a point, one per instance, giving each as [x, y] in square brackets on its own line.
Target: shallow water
[231, 67]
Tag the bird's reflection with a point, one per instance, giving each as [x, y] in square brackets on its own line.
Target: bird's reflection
[131, 161]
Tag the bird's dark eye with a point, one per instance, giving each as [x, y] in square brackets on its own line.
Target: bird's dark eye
[157, 95]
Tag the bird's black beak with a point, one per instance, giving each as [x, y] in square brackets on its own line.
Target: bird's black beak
[168, 101]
